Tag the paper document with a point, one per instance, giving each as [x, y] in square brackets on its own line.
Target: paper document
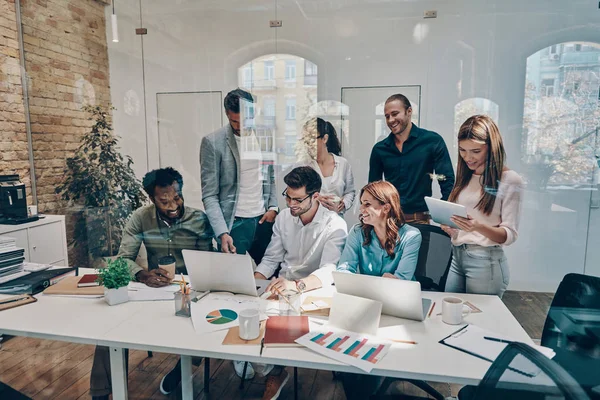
[140, 292]
[219, 311]
[471, 339]
[361, 351]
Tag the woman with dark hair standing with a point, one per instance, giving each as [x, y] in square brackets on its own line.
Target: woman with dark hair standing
[320, 149]
[492, 195]
[382, 244]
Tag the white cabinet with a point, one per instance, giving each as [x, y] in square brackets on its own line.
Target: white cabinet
[44, 241]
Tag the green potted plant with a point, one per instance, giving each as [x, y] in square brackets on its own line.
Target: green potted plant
[115, 278]
[100, 182]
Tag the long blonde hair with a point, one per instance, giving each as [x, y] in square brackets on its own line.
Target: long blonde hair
[481, 129]
[385, 193]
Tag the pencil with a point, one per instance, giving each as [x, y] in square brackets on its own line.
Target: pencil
[430, 311]
[402, 341]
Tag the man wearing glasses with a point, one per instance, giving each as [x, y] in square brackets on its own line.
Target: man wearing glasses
[307, 242]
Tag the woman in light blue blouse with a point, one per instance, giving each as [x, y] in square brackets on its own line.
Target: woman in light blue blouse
[382, 244]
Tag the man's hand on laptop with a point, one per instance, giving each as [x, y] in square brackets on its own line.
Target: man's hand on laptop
[227, 244]
[388, 275]
[279, 285]
[154, 278]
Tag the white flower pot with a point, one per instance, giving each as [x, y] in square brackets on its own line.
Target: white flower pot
[116, 296]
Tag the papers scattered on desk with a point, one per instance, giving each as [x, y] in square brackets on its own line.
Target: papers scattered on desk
[350, 348]
[471, 340]
[140, 292]
[219, 311]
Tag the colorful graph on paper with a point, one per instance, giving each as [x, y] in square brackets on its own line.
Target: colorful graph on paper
[347, 347]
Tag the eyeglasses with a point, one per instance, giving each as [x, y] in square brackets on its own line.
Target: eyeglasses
[293, 200]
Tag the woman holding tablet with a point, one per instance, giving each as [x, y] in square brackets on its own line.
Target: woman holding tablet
[382, 244]
[492, 195]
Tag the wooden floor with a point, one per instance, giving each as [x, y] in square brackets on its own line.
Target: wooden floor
[44, 369]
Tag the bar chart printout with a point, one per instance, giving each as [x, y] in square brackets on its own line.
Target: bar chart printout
[350, 348]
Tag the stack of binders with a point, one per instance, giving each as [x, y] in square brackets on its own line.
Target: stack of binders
[11, 260]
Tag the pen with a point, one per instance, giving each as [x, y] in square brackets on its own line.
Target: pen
[262, 345]
[430, 311]
[12, 300]
[493, 339]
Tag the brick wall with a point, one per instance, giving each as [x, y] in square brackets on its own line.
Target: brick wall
[67, 64]
[14, 157]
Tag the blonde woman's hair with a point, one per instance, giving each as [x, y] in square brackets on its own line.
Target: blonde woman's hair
[481, 129]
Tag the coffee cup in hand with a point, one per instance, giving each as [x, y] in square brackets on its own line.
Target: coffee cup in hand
[168, 264]
[454, 310]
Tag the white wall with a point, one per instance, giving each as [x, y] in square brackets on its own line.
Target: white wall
[475, 48]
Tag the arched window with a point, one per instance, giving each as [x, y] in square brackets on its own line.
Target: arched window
[285, 88]
[561, 113]
[474, 106]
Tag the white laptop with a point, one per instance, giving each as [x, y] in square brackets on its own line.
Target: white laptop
[441, 211]
[400, 298]
[221, 272]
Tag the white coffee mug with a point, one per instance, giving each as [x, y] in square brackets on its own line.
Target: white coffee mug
[249, 324]
[454, 310]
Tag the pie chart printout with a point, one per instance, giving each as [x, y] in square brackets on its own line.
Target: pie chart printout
[222, 316]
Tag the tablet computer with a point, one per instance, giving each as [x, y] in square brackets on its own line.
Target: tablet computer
[441, 211]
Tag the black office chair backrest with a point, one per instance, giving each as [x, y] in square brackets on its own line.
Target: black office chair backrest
[521, 372]
[574, 315]
[433, 264]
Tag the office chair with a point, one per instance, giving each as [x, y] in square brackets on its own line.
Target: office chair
[431, 273]
[8, 393]
[522, 373]
[572, 329]
[432, 267]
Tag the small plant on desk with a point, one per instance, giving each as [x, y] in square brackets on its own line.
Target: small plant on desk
[115, 278]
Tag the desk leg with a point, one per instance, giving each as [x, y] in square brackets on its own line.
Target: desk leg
[118, 374]
[187, 389]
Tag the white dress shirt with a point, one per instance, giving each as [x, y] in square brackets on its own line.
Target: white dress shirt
[303, 250]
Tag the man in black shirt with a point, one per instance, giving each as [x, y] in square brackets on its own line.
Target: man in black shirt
[411, 158]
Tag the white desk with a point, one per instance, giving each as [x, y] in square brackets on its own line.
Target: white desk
[153, 326]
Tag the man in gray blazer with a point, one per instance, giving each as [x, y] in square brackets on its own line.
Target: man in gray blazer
[238, 188]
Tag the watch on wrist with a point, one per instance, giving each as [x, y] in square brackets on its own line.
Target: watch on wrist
[300, 285]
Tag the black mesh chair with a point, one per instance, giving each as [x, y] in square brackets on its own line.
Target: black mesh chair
[433, 265]
[572, 330]
[522, 373]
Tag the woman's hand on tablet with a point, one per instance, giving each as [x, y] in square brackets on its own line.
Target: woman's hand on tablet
[452, 232]
[466, 224]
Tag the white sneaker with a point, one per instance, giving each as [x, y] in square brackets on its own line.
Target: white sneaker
[238, 366]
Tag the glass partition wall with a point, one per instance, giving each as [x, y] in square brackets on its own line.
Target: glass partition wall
[533, 67]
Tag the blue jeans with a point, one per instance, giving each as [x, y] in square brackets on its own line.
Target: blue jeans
[250, 236]
[479, 270]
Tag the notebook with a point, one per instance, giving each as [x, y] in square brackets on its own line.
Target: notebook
[88, 280]
[282, 331]
[68, 286]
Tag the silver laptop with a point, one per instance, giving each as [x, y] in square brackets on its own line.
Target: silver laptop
[400, 298]
[221, 272]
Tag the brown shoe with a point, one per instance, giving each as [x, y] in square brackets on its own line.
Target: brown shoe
[274, 385]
